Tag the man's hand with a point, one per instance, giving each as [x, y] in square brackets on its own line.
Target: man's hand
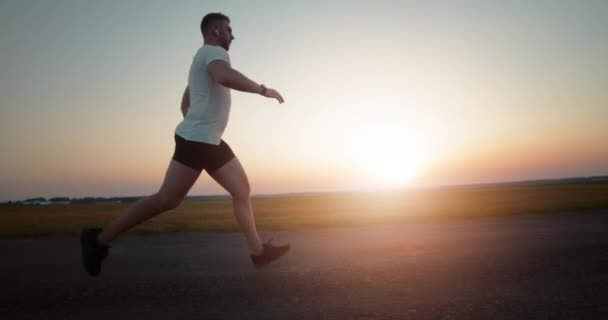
[272, 93]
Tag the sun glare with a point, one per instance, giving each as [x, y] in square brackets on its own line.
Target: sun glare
[388, 159]
[384, 141]
[388, 155]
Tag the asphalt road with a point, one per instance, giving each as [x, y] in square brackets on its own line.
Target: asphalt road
[525, 267]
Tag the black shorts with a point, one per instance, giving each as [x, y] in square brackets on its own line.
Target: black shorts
[202, 156]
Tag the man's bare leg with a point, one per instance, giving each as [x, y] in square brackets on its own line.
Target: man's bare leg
[178, 181]
[233, 178]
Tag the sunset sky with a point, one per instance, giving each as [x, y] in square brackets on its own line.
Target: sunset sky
[378, 94]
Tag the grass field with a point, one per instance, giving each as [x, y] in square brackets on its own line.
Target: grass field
[319, 210]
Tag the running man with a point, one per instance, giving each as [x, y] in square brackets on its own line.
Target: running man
[198, 146]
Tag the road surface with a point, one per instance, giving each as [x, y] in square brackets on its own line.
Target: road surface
[524, 267]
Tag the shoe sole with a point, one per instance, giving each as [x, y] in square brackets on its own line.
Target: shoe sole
[84, 244]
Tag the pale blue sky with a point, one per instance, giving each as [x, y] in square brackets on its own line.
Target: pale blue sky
[90, 90]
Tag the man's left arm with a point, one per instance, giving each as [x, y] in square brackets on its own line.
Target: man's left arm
[185, 101]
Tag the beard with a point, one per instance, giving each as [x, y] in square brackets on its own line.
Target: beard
[226, 44]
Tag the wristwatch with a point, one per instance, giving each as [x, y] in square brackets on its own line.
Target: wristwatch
[263, 91]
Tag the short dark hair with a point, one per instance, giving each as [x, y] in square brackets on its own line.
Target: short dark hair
[210, 18]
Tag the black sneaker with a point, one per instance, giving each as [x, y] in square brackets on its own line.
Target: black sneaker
[92, 252]
[269, 254]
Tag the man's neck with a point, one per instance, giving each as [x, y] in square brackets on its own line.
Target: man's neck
[211, 43]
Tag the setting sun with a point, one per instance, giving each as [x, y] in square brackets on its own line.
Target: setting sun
[388, 158]
[398, 168]
[386, 152]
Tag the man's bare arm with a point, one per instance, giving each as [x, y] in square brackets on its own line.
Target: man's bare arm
[186, 101]
[231, 78]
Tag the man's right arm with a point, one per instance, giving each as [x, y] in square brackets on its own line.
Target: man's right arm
[224, 74]
[185, 105]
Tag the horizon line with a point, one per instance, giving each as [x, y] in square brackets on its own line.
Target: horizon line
[361, 190]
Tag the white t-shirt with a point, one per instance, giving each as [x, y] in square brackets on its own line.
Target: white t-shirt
[209, 109]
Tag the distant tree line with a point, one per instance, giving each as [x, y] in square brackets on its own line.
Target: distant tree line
[87, 200]
[102, 200]
[67, 200]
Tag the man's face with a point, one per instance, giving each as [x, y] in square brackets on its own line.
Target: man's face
[224, 34]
